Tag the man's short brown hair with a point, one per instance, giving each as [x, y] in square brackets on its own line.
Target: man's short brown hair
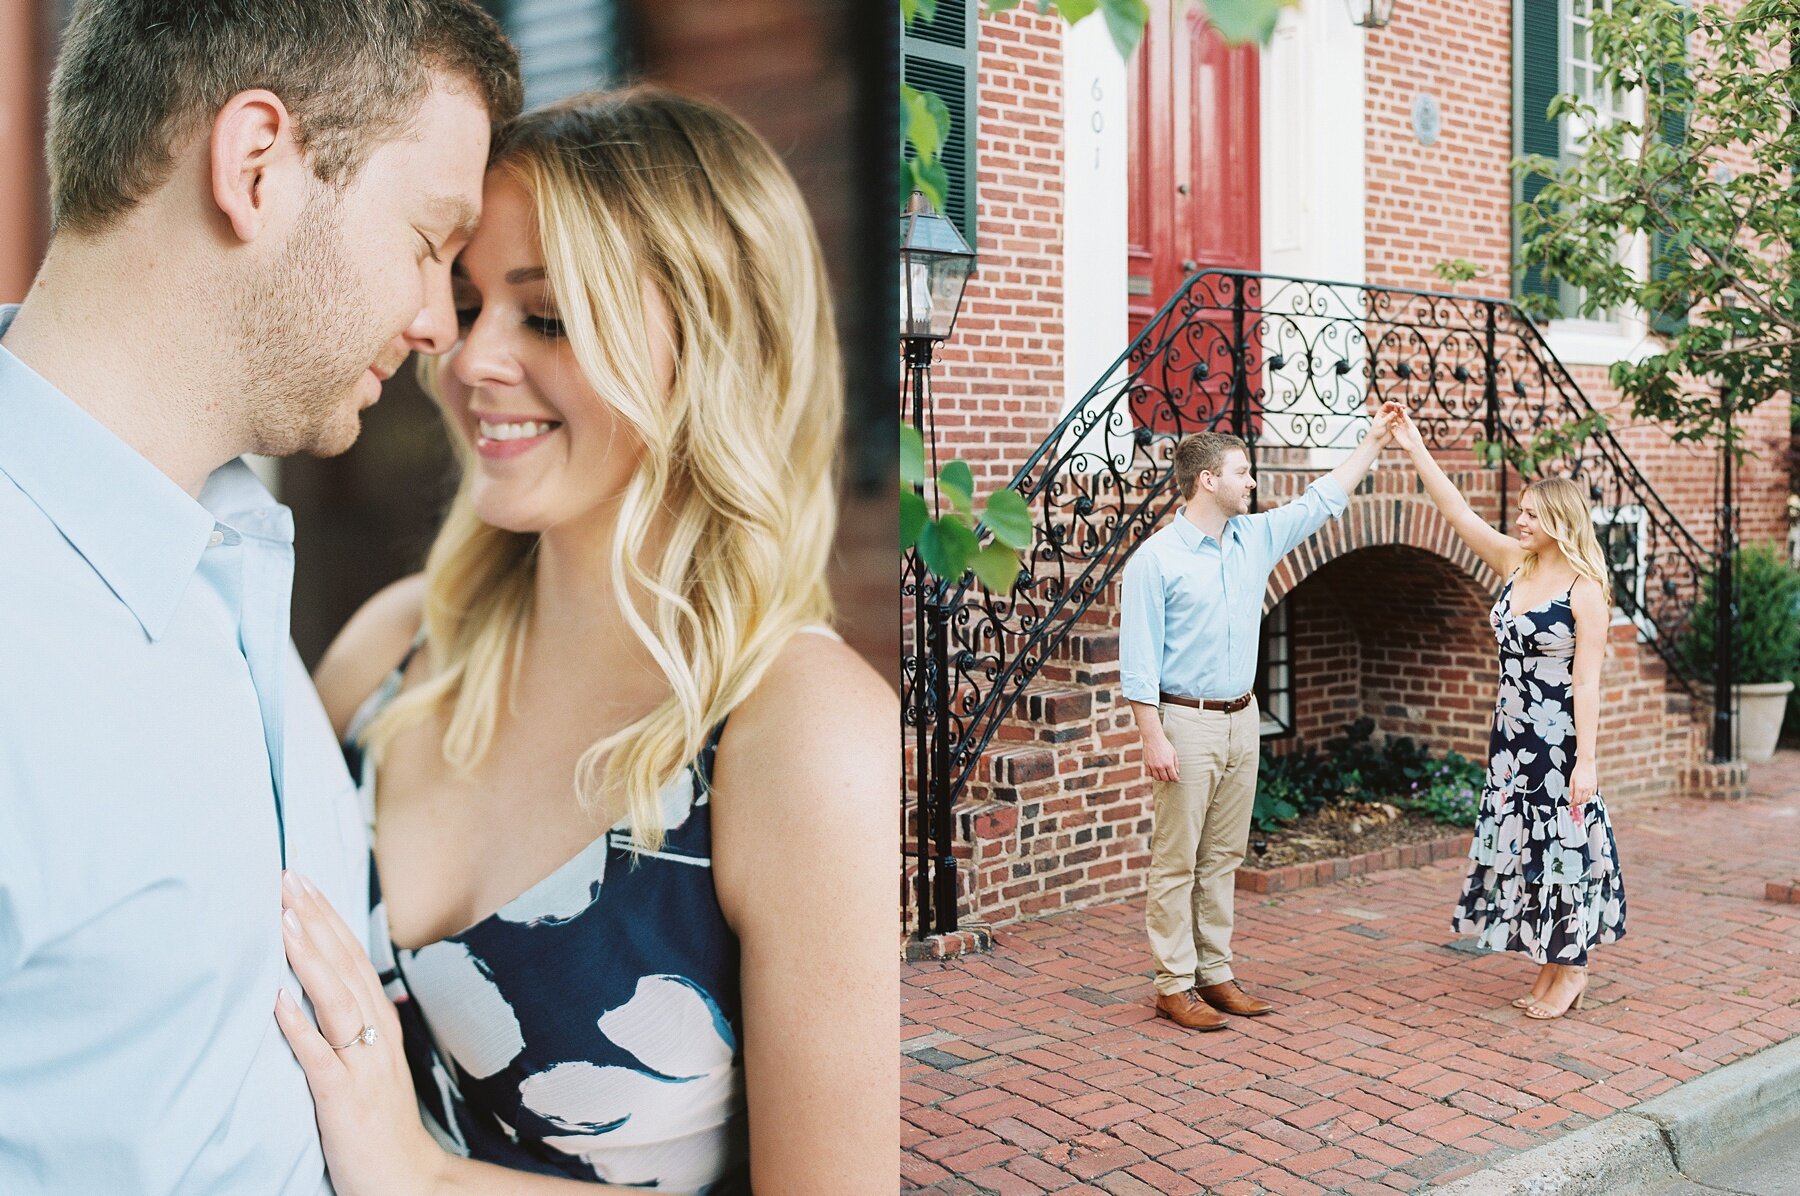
[137, 76]
[1203, 452]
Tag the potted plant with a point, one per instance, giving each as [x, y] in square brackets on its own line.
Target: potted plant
[1765, 643]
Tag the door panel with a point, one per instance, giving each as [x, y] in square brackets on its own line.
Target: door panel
[1195, 202]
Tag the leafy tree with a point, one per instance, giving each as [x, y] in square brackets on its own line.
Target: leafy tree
[1705, 181]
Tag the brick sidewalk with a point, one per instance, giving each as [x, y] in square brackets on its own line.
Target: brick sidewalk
[1394, 1062]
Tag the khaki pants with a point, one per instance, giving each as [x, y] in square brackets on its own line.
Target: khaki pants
[1200, 828]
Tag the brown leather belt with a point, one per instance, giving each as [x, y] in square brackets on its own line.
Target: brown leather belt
[1231, 707]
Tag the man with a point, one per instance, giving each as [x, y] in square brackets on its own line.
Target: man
[255, 205]
[1192, 603]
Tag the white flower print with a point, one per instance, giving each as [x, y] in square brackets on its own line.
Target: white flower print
[633, 1124]
[448, 968]
[1551, 721]
[1550, 670]
[1555, 640]
[1562, 863]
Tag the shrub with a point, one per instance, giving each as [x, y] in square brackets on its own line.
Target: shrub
[1765, 638]
[1353, 767]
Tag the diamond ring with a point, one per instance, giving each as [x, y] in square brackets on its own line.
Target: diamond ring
[368, 1034]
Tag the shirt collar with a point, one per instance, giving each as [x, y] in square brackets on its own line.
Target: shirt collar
[1192, 537]
[143, 534]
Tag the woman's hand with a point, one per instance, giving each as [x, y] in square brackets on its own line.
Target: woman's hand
[375, 1144]
[1583, 783]
[1405, 433]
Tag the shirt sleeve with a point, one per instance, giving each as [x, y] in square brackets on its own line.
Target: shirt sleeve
[1141, 629]
[1283, 528]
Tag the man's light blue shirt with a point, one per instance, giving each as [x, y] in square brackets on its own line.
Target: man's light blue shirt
[1191, 607]
[152, 709]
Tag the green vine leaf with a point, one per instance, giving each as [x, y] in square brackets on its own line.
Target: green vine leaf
[1240, 21]
[1125, 20]
[912, 456]
[1072, 11]
[956, 481]
[998, 568]
[1009, 518]
[918, 10]
[912, 518]
[947, 545]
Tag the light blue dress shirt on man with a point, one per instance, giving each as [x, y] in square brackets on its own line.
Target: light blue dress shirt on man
[152, 711]
[1191, 606]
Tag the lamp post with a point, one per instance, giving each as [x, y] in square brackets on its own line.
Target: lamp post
[1724, 585]
[1724, 600]
[1371, 14]
[935, 263]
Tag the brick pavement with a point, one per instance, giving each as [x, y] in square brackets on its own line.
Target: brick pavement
[1394, 1063]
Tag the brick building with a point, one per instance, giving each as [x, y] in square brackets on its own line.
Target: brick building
[1150, 237]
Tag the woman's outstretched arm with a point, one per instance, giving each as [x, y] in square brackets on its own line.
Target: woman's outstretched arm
[1501, 552]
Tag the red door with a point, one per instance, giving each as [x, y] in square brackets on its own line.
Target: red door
[1195, 198]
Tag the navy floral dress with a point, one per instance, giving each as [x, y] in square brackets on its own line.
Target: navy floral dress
[1540, 881]
[591, 1027]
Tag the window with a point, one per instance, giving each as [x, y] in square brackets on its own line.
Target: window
[1620, 531]
[1580, 74]
[1554, 53]
[565, 46]
[938, 56]
[1275, 679]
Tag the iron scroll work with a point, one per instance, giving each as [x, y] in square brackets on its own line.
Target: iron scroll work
[1290, 365]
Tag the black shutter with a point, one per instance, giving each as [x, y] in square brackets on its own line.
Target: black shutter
[938, 56]
[1537, 78]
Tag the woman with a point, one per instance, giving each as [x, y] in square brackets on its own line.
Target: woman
[633, 804]
[1544, 874]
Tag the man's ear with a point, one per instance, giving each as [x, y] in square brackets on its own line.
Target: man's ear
[252, 137]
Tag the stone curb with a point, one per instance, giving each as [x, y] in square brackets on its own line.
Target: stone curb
[1725, 1108]
[1656, 1140]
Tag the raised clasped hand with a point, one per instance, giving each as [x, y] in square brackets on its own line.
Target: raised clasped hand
[1400, 422]
[375, 1144]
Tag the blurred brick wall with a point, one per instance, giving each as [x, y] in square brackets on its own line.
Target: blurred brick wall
[25, 31]
[811, 76]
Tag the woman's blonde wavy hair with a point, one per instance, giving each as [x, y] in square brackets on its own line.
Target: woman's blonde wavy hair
[1564, 515]
[737, 474]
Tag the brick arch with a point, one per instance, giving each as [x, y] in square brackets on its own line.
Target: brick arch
[1380, 520]
[1387, 618]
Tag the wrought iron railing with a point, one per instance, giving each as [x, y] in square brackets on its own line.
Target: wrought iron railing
[1288, 364]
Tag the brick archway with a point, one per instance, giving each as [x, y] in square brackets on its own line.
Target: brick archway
[1380, 520]
[1386, 610]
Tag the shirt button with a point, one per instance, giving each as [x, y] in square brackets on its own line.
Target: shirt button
[217, 538]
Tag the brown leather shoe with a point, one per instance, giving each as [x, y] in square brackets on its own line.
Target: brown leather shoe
[1185, 1009]
[1229, 998]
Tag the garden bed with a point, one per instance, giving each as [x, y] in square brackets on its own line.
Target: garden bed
[1344, 841]
[1357, 806]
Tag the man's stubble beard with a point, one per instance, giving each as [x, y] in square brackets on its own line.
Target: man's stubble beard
[305, 340]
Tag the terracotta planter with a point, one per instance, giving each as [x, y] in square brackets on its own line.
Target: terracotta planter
[1759, 711]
